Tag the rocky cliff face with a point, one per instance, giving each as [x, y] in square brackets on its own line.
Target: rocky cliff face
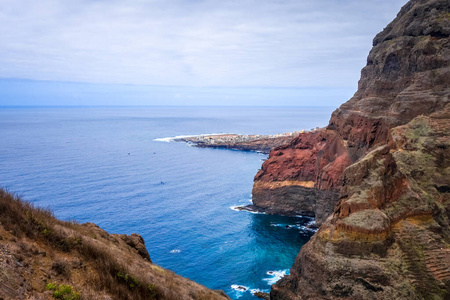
[303, 177]
[388, 237]
[386, 154]
[407, 75]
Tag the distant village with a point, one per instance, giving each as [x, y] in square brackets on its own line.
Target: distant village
[217, 139]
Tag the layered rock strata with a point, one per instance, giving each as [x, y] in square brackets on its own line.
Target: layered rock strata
[388, 236]
[407, 74]
[302, 178]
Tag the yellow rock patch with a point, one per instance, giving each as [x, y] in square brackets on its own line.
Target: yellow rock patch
[278, 184]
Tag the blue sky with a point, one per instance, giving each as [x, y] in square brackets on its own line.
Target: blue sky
[196, 52]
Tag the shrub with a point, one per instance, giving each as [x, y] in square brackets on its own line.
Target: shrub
[128, 279]
[51, 286]
[66, 292]
[63, 291]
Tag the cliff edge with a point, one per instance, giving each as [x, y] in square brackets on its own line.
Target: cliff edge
[378, 177]
[42, 257]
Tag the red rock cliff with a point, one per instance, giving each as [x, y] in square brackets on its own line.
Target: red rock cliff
[387, 153]
[407, 75]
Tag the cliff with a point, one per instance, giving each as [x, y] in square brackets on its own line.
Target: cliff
[389, 235]
[378, 177]
[44, 258]
[407, 75]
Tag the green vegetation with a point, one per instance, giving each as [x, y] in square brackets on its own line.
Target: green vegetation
[51, 286]
[63, 291]
[130, 280]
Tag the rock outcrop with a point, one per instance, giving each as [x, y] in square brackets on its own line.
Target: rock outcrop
[385, 157]
[407, 75]
[389, 235]
[44, 258]
[302, 178]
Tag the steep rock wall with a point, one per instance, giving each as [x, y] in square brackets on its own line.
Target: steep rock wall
[407, 75]
[389, 234]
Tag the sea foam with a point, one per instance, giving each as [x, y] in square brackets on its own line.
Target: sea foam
[274, 276]
[235, 208]
[173, 138]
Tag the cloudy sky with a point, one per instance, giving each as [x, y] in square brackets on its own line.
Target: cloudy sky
[179, 51]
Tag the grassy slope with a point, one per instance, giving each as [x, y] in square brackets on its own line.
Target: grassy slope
[42, 257]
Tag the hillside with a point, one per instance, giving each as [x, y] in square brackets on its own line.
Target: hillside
[42, 257]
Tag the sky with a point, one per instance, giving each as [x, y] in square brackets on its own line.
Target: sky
[186, 52]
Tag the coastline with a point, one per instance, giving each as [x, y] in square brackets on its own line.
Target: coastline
[259, 143]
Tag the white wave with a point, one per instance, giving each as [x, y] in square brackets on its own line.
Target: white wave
[274, 276]
[175, 251]
[280, 225]
[287, 226]
[297, 226]
[235, 208]
[173, 138]
[254, 291]
[239, 288]
[311, 223]
[305, 217]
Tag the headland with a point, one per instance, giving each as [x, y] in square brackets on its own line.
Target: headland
[244, 142]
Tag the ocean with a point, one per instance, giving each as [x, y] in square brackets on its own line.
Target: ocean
[111, 166]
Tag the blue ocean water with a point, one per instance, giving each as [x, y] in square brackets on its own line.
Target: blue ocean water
[105, 165]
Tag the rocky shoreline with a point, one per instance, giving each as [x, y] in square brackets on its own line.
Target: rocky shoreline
[244, 142]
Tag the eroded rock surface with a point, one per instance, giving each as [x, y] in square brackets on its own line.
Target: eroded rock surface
[388, 236]
[407, 75]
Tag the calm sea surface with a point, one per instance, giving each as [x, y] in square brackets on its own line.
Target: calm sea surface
[105, 165]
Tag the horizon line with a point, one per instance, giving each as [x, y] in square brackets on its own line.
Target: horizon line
[173, 86]
[93, 106]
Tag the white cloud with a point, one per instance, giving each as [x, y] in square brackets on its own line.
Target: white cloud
[191, 43]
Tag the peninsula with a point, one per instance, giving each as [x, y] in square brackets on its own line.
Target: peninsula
[256, 142]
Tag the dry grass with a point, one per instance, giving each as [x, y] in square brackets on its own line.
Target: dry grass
[22, 219]
[96, 264]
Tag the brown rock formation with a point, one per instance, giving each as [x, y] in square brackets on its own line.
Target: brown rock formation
[389, 234]
[137, 242]
[407, 75]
